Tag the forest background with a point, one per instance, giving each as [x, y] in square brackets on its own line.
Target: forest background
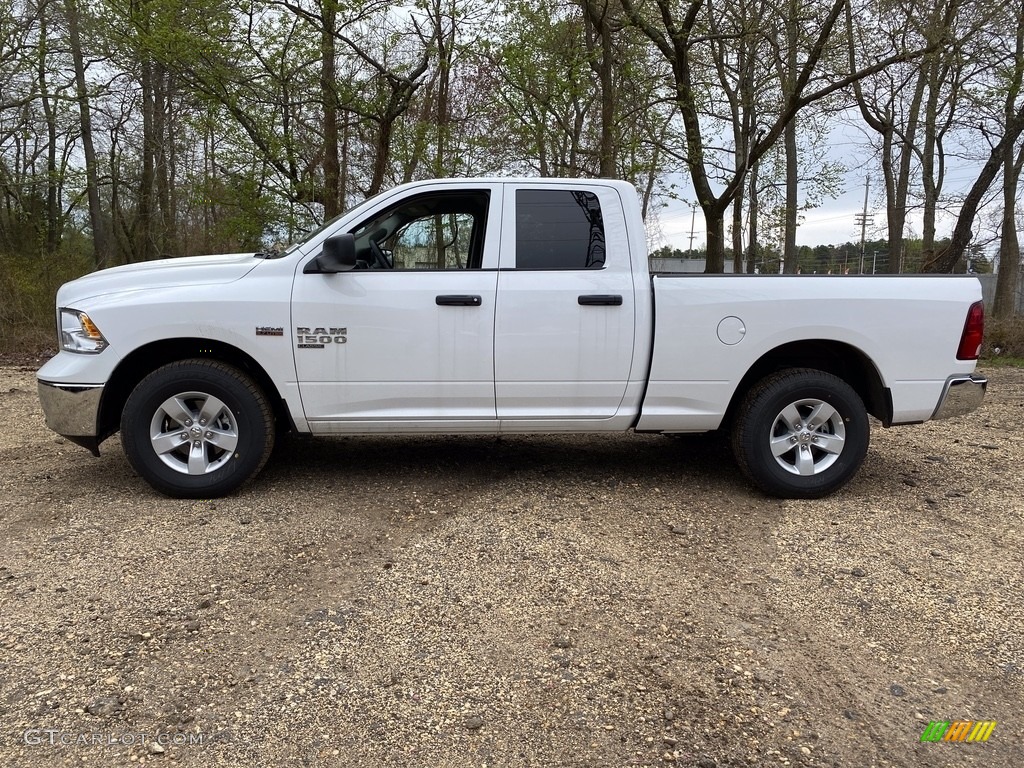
[139, 129]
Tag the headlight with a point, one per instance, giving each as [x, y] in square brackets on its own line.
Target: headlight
[79, 334]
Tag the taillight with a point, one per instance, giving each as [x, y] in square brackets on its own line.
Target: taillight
[974, 330]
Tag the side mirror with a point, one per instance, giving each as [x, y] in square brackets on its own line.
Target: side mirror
[338, 255]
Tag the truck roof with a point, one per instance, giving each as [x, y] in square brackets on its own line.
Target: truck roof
[553, 181]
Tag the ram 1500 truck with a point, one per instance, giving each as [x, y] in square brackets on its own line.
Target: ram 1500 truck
[498, 306]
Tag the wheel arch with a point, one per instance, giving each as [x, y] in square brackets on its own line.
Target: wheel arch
[147, 358]
[836, 357]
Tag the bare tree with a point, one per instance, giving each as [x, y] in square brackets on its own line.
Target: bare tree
[1006, 154]
[684, 40]
[97, 218]
[911, 108]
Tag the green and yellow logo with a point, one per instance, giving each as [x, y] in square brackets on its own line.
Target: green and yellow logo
[959, 730]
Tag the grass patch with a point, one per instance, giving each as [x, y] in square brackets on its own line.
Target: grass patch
[1004, 340]
[26, 345]
[1003, 362]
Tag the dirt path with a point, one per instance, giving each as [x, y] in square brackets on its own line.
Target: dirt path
[571, 601]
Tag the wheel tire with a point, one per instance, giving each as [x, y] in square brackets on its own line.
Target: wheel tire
[193, 459]
[783, 451]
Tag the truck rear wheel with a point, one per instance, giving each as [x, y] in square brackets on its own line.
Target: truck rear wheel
[800, 433]
[197, 429]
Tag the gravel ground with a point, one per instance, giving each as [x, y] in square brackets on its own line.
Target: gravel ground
[541, 601]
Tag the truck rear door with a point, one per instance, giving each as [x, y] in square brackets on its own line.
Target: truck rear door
[564, 315]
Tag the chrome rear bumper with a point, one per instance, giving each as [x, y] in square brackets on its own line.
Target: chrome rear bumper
[962, 394]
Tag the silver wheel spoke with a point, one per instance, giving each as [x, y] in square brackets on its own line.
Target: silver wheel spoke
[177, 409]
[168, 441]
[804, 461]
[830, 443]
[211, 410]
[226, 441]
[791, 416]
[821, 413]
[782, 444]
[197, 463]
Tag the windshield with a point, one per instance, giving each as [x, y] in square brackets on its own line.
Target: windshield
[327, 225]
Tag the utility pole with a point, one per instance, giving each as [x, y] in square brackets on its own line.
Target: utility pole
[693, 219]
[862, 219]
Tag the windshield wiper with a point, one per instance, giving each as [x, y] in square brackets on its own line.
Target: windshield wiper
[270, 253]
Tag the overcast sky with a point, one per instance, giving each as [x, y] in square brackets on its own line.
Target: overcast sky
[834, 221]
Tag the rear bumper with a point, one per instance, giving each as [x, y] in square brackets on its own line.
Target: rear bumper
[72, 410]
[962, 394]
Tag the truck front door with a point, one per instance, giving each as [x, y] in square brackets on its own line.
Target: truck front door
[408, 336]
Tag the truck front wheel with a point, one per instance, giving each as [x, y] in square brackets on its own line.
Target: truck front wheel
[800, 433]
[197, 429]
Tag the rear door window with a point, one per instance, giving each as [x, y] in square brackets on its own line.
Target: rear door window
[559, 229]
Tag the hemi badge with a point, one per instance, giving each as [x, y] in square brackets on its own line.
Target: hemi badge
[263, 330]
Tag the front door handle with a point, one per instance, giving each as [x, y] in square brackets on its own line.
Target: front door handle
[601, 300]
[458, 301]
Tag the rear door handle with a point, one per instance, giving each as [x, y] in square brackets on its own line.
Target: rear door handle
[601, 300]
[458, 301]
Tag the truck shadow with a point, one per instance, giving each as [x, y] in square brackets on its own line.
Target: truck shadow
[699, 463]
[611, 458]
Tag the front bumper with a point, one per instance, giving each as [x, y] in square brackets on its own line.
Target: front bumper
[72, 410]
[962, 394]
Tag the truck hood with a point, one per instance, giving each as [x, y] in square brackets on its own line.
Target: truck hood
[165, 273]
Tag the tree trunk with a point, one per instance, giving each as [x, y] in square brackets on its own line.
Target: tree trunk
[402, 91]
[598, 15]
[1013, 125]
[792, 201]
[1004, 305]
[343, 179]
[442, 104]
[897, 151]
[929, 182]
[97, 221]
[382, 155]
[737, 235]
[120, 237]
[209, 164]
[681, 26]
[895, 217]
[789, 260]
[901, 182]
[163, 141]
[53, 226]
[946, 259]
[144, 221]
[754, 210]
[329, 97]
[714, 219]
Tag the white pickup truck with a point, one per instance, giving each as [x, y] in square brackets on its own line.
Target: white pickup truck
[498, 306]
